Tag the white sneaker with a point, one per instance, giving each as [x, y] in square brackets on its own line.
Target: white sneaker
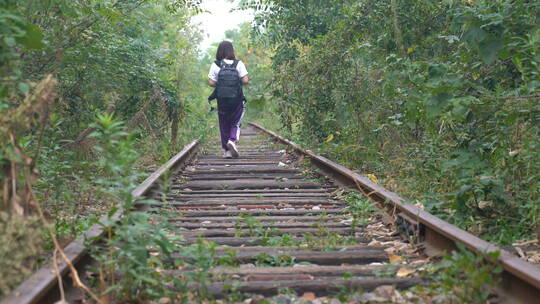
[227, 154]
[232, 148]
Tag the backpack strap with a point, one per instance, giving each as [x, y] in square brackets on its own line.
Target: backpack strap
[220, 63]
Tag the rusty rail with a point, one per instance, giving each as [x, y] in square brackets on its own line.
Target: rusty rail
[38, 286]
[520, 280]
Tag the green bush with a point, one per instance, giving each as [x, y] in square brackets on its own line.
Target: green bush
[438, 99]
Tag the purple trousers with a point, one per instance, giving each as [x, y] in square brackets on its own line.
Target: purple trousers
[229, 123]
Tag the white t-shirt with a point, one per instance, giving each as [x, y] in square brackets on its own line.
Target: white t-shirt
[214, 69]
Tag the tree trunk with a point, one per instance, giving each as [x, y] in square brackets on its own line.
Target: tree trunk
[174, 129]
[397, 31]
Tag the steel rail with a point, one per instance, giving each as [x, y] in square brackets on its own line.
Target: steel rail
[37, 287]
[519, 281]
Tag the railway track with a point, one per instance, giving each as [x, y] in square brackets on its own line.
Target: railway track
[261, 210]
[285, 226]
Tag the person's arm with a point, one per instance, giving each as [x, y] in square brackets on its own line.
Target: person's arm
[243, 73]
[245, 80]
[212, 75]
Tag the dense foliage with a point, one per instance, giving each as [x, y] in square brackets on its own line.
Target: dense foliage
[62, 64]
[439, 99]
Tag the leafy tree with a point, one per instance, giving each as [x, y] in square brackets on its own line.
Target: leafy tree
[64, 62]
[440, 95]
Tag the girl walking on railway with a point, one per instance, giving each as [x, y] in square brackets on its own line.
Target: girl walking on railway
[228, 74]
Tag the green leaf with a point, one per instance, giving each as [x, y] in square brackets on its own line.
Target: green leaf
[488, 49]
[24, 87]
[112, 211]
[347, 276]
[505, 53]
[437, 104]
[10, 41]
[33, 39]
[474, 35]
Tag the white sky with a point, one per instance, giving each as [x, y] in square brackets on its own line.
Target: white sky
[218, 20]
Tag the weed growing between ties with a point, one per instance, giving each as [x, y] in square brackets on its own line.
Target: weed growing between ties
[333, 240]
[326, 240]
[323, 240]
[249, 226]
[360, 209]
[196, 262]
[268, 260]
[270, 236]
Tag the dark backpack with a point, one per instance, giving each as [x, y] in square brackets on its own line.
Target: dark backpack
[229, 85]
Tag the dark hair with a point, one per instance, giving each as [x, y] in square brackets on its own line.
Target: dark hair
[225, 50]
